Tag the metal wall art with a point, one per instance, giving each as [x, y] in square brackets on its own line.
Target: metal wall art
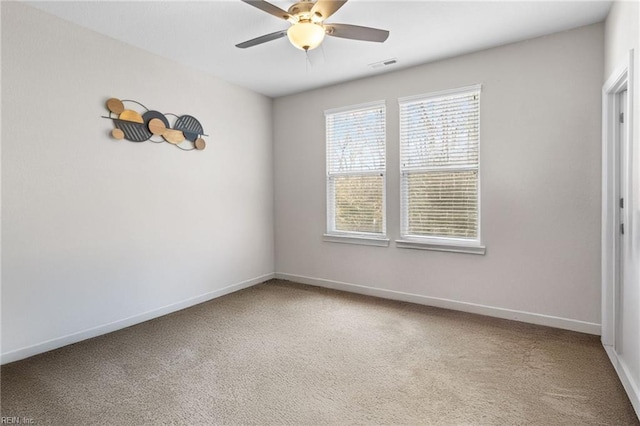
[185, 133]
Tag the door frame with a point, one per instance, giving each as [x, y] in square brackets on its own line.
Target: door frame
[619, 81]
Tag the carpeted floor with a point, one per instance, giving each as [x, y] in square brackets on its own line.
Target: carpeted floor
[284, 353]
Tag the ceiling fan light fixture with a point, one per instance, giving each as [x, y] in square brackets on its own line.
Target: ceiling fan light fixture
[306, 35]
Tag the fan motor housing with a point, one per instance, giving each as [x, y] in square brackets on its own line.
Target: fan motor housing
[302, 11]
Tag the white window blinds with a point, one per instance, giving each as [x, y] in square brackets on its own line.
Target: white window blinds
[356, 170]
[439, 145]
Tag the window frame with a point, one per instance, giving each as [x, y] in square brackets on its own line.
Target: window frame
[439, 243]
[355, 237]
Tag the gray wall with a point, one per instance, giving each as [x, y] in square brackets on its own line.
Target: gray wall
[540, 172]
[99, 233]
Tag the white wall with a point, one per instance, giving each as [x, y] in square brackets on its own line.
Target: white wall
[97, 233]
[622, 34]
[540, 166]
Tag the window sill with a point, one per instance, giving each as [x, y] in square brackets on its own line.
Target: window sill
[356, 239]
[450, 246]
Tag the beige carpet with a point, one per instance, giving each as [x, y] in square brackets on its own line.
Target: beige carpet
[284, 353]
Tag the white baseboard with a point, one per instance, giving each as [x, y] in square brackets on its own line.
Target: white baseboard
[630, 385]
[58, 342]
[528, 317]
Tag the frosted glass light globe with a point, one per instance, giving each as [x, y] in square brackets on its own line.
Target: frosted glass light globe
[306, 35]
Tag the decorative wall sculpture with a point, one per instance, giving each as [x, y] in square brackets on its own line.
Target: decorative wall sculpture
[185, 133]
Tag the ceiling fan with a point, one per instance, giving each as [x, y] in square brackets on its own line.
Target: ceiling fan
[308, 28]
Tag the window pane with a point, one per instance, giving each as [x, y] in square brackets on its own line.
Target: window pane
[439, 151]
[442, 203]
[440, 132]
[356, 141]
[358, 203]
[356, 161]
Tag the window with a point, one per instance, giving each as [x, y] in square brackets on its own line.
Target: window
[439, 165]
[356, 174]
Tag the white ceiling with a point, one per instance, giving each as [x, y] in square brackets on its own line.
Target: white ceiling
[203, 34]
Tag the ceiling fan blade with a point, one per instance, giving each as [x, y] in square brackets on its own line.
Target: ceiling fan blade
[356, 32]
[262, 39]
[327, 8]
[269, 8]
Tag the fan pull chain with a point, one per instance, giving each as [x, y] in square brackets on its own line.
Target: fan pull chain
[307, 61]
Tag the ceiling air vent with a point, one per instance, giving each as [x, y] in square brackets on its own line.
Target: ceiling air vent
[384, 63]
